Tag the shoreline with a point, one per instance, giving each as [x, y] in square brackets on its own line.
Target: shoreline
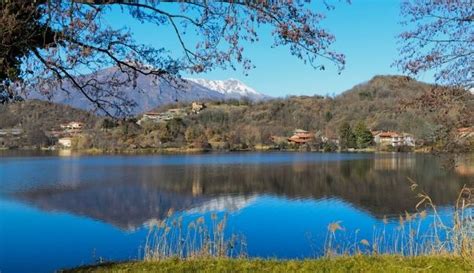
[191, 151]
[356, 263]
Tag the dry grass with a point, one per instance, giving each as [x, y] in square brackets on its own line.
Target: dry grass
[359, 263]
[198, 239]
[442, 237]
[203, 247]
[421, 233]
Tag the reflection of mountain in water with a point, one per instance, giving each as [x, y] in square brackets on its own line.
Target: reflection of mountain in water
[127, 196]
[126, 206]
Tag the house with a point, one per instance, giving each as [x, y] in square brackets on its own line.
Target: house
[163, 116]
[73, 125]
[11, 132]
[392, 138]
[151, 115]
[197, 107]
[330, 137]
[65, 142]
[408, 139]
[301, 137]
[465, 132]
[11, 137]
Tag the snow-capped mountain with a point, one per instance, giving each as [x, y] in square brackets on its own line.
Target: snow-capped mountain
[232, 88]
[149, 93]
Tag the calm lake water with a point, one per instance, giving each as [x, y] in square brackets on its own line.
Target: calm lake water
[58, 212]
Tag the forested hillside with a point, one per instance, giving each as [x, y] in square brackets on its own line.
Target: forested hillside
[45, 115]
[383, 103]
[36, 118]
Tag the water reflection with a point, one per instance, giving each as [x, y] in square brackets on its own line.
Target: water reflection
[127, 191]
[60, 211]
[465, 166]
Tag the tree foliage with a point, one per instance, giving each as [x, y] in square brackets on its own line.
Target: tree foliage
[363, 135]
[52, 43]
[439, 36]
[347, 138]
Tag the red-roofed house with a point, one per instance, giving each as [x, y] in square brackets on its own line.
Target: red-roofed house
[466, 132]
[301, 137]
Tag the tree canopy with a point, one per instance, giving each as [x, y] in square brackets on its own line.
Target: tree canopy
[439, 37]
[47, 43]
[61, 45]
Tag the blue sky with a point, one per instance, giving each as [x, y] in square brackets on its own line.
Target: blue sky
[365, 31]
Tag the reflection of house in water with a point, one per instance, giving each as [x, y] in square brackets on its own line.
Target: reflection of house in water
[465, 169]
[299, 167]
[197, 187]
[394, 163]
[465, 166]
[64, 152]
[68, 174]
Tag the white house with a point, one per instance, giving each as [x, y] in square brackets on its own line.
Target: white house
[394, 139]
[73, 125]
[65, 142]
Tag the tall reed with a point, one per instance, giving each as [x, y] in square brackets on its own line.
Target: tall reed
[452, 235]
[424, 232]
[170, 238]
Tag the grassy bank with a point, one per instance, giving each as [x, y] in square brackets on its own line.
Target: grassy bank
[360, 263]
[199, 246]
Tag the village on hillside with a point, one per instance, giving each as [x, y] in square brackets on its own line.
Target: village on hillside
[359, 138]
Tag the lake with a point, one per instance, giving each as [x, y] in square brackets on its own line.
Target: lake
[64, 211]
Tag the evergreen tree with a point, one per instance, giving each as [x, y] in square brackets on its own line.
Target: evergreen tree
[363, 135]
[347, 137]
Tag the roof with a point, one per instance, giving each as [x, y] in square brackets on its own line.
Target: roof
[304, 135]
[300, 131]
[466, 130]
[152, 113]
[300, 138]
[297, 139]
[389, 134]
[72, 123]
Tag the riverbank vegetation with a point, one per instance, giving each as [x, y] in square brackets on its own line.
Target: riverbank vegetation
[201, 245]
[359, 263]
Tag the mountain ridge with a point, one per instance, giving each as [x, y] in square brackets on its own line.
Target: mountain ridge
[234, 88]
[148, 92]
